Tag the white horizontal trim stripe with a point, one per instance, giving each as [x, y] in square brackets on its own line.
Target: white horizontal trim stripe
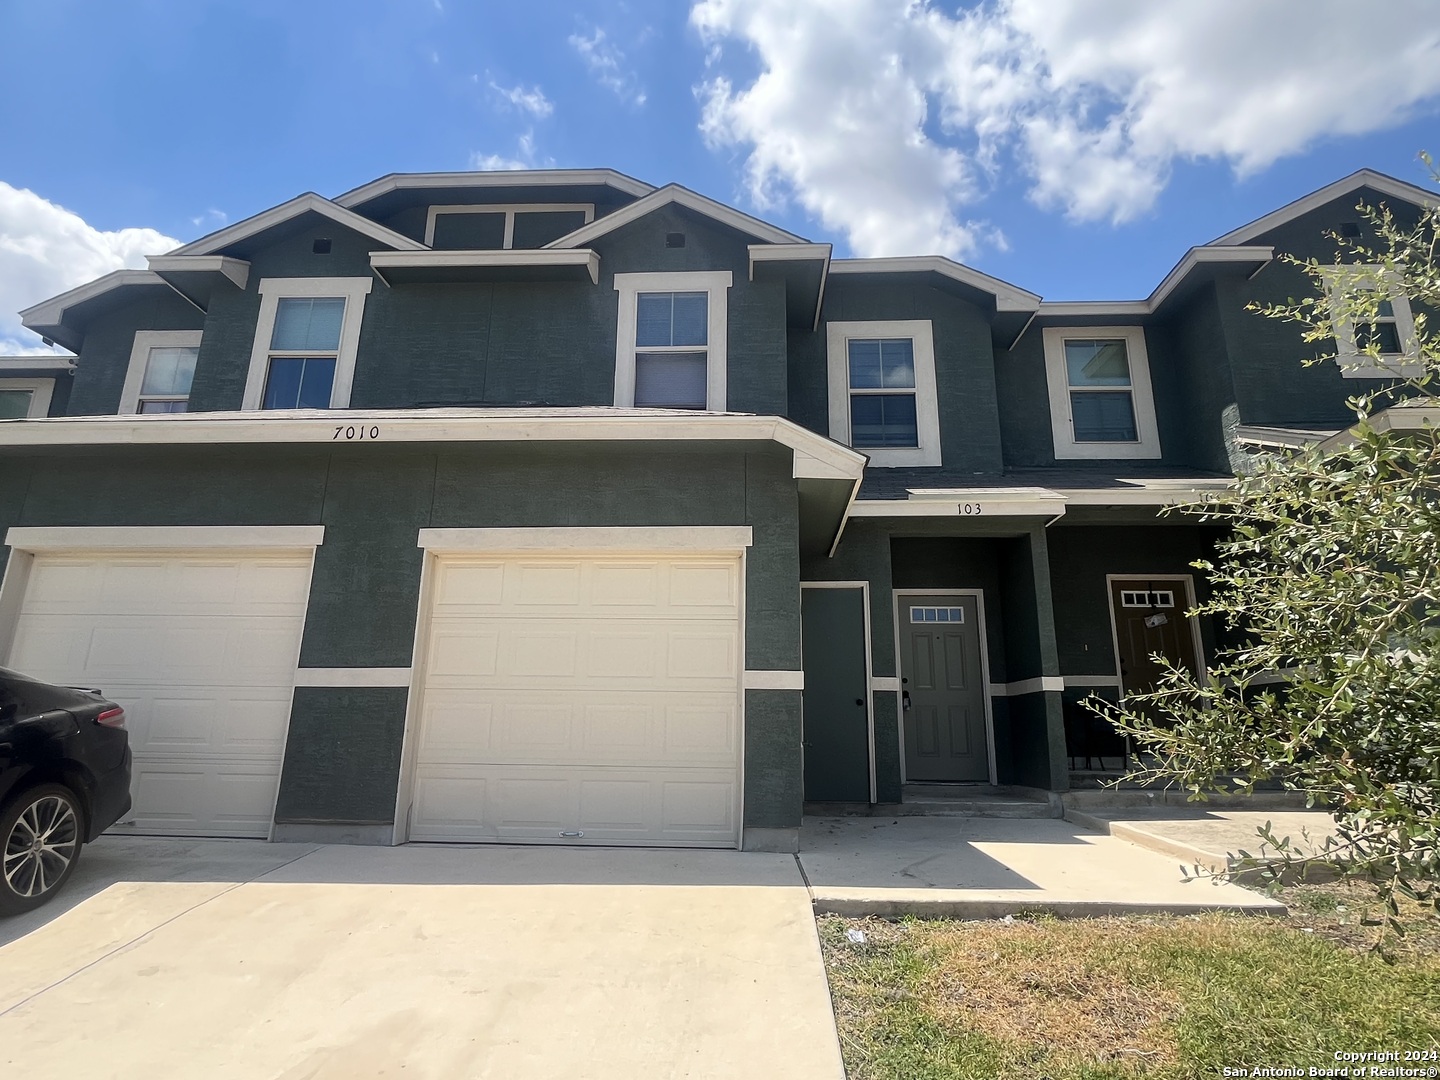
[1027, 686]
[881, 683]
[728, 538]
[36, 363]
[1091, 680]
[165, 537]
[774, 680]
[376, 676]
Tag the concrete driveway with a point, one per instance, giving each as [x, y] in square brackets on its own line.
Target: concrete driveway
[240, 959]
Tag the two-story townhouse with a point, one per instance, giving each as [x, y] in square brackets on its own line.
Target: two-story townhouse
[555, 507]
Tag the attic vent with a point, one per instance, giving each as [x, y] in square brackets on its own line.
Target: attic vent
[321, 246]
[674, 239]
[1350, 229]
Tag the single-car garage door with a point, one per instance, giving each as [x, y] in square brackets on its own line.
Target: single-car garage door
[581, 699]
[200, 649]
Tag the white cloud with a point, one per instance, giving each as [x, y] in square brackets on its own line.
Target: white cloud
[889, 119]
[532, 100]
[607, 64]
[525, 157]
[46, 249]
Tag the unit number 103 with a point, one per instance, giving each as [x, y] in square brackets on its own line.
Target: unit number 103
[970, 509]
[355, 433]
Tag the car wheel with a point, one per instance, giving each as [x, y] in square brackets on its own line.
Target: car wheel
[39, 846]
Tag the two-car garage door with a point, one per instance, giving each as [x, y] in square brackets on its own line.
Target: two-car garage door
[581, 698]
[200, 649]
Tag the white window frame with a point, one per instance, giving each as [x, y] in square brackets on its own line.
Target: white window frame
[921, 333]
[272, 290]
[41, 391]
[1353, 363]
[717, 284]
[1057, 378]
[509, 210]
[145, 340]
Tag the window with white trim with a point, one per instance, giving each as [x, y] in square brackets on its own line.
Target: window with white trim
[1101, 404]
[882, 390]
[671, 339]
[501, 226]
[162, 367]
[305, 343]
[25, 399]
[1391, 333]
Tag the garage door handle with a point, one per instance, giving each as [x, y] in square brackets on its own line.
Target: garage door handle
[572, 835]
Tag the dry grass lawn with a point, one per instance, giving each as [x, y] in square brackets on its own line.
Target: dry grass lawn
[1162, 996]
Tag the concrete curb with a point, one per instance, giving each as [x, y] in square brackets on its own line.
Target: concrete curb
[978, 909]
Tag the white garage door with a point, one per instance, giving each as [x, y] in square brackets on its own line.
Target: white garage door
[581, 699]
[201, 652]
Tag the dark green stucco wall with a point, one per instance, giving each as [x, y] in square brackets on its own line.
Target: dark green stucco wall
[1196, 383]
[373, 499]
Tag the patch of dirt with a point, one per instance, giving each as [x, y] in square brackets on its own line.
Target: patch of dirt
[1347, 913]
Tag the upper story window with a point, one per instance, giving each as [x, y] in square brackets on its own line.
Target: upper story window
[670, 341]
[1392, 333]
[882, 390]
[491, 226]
[305, 343]
[25, 399]
[162, 367]
[1101, 405]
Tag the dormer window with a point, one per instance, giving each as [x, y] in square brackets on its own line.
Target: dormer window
[162, 367]
[25, 399]
[502, 226]
[1391, 332]
[1099, 388]
[882, 390]
[670, 341]
[305, 343]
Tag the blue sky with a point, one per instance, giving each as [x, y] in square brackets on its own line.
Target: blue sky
[1074, 147]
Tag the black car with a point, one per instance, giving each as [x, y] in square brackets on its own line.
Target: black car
[64, 779]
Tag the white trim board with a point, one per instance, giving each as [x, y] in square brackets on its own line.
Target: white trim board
[726, 538]
[278, 215]
[1007, 297]
[164, 537]
[509, 210]
[679, 196]
[598, 424]
[237, 271]
[768, 679]
[1386, 185]
[1021, 687]
[51, 312]
[352, 677]
[927, 406]
[145, 340]
[381, 261]
[519, 178]
[65, 364]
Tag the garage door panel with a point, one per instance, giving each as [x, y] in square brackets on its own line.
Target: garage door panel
[554, 588]
[213, 798]
[200, 650]
[574, 727]
[580, 804]
[493, 653]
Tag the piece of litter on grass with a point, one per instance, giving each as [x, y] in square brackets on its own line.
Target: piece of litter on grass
[1008, 920]
[855, 937]
[1306, 930]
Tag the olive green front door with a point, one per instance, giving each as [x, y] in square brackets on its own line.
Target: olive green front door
[943, 689]
[835, 715]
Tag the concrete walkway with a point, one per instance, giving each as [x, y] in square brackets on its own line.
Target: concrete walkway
[1211, 838]
[182, 959]
[988, 867]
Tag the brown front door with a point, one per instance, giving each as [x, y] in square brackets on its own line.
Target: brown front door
[1150, 621]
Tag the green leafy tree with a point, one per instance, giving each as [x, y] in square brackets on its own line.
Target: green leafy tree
[1329, 583]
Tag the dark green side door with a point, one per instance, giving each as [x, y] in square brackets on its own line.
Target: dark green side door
[835, 718]
[943, 690]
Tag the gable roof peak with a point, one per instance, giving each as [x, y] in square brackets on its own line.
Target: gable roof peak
[1360, 178]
